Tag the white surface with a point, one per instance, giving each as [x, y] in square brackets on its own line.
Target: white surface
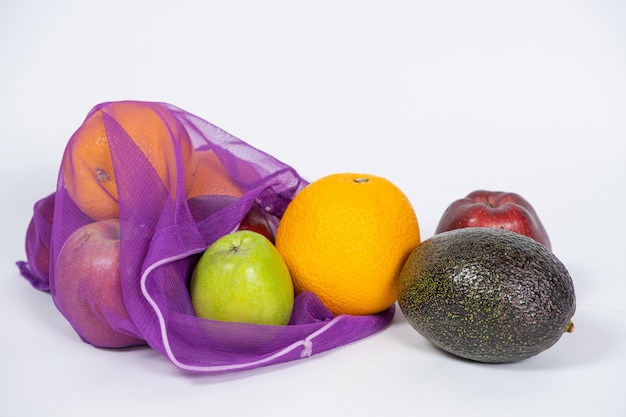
[440, 97]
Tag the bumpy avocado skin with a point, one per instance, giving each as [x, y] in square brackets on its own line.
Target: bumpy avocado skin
[485, 294]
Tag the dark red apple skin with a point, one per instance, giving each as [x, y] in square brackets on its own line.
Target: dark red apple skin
[494, 209]
[205, 205]
[256, 221]
[38, 243]
[87, 283]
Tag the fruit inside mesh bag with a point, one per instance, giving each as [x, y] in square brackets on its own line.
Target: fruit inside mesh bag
[144, 188]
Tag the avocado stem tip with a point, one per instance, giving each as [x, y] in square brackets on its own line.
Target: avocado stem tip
[569, 327]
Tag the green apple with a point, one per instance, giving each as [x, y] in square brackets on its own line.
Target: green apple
[241, 277]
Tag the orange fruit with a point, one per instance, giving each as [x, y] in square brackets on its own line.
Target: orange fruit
[87, 165]
[211, 177]
[345, 237]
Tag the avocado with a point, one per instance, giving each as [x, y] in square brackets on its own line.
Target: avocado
[488, 295]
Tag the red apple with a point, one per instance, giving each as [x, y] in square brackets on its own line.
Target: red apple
[203, 206]
[38, 244]
[495, 209]
[87, 286]
[256, 221]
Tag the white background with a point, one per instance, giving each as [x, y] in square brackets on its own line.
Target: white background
[441, 97]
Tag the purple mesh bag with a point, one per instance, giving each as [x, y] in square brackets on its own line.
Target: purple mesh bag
[160, 241]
